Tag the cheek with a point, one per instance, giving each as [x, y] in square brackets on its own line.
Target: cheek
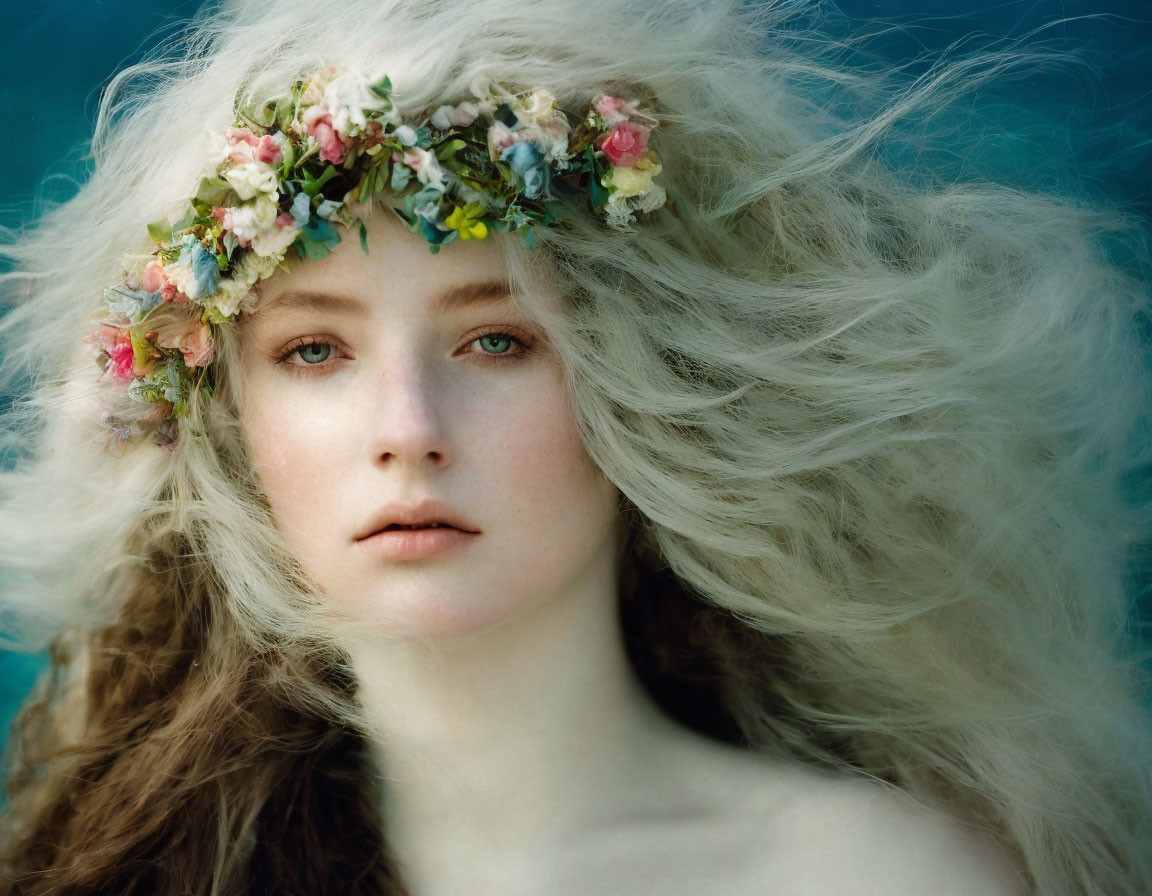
[543, 462]
[287, 451]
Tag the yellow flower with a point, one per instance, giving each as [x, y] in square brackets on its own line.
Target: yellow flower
[464, 219]
[637, 179]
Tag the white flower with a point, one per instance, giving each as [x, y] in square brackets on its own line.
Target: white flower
[618, 213]
[406, 134]
[181, 276]
[500, 137]
[228, 296]
[652, 200]
[483, 89]
[274, 242]
[235, 293]
[446, 117]
[348, 98]
[426, 166]
[537, 109]
[256, 268]
[251, 219]
[554, 139]
[252, 179]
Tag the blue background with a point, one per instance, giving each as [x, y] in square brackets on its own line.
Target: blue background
[56, 55]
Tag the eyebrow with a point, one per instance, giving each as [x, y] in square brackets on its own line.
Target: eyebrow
[484, 292]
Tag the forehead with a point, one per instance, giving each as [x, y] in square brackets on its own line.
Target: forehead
[396, 265]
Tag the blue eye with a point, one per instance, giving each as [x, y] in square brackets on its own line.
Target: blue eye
[499, 343]
[314, 352]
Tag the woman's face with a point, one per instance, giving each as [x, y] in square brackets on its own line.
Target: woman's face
[377, 382]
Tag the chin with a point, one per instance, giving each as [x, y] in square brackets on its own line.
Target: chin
[431, 615]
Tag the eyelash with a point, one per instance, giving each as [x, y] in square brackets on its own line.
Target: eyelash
[524, 346]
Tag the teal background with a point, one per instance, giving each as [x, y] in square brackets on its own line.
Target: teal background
[1090, 122]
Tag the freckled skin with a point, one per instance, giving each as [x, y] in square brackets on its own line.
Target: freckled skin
[533, 728]
[408, 405]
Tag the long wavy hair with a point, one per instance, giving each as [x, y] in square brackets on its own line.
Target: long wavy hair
[871, 428]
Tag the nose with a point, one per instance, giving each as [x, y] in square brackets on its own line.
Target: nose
[407, 415]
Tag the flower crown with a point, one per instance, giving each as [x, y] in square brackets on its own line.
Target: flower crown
[288, 171]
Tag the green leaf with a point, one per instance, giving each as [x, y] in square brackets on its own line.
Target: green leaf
[160, 231]
[449, 149]
[264, 116]
[185, 222]
[597, 192]
[364, 237]
[363, 187]
[289, 159]
[312, 185]
[383, 88]
[381, 179]
[460, 169]
[283, 113]
[213, 191]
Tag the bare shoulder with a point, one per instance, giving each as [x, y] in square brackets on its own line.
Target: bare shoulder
[830, 834]
[737, 823]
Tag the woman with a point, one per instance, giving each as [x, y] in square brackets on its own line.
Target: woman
[742, 518]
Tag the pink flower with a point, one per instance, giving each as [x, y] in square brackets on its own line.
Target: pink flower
[240, 143]
[121, 360]
[267, 151]
[189, 335]
[318, 123]
[613, 109]
[196, 345]
[625, 144]
[242, 149]
[117, 344]
[608, 106]
[154, 280]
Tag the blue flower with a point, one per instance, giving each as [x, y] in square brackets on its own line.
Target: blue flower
[401, 174]
[424, 204]
[130, 303]
[527, 161]
[328, 208]
[316, 239]
[203, 273]
[301, 209]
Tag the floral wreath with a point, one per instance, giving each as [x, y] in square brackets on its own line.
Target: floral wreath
[289, 170]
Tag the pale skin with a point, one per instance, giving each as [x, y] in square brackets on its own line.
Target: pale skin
[518, 753]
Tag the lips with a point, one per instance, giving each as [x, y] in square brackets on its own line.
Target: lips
[421, 515]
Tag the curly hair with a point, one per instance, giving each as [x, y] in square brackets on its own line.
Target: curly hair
[870, 427]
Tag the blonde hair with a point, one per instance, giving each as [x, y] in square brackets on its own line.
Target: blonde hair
[871, 429]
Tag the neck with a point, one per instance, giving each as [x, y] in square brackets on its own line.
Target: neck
[506, 741]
